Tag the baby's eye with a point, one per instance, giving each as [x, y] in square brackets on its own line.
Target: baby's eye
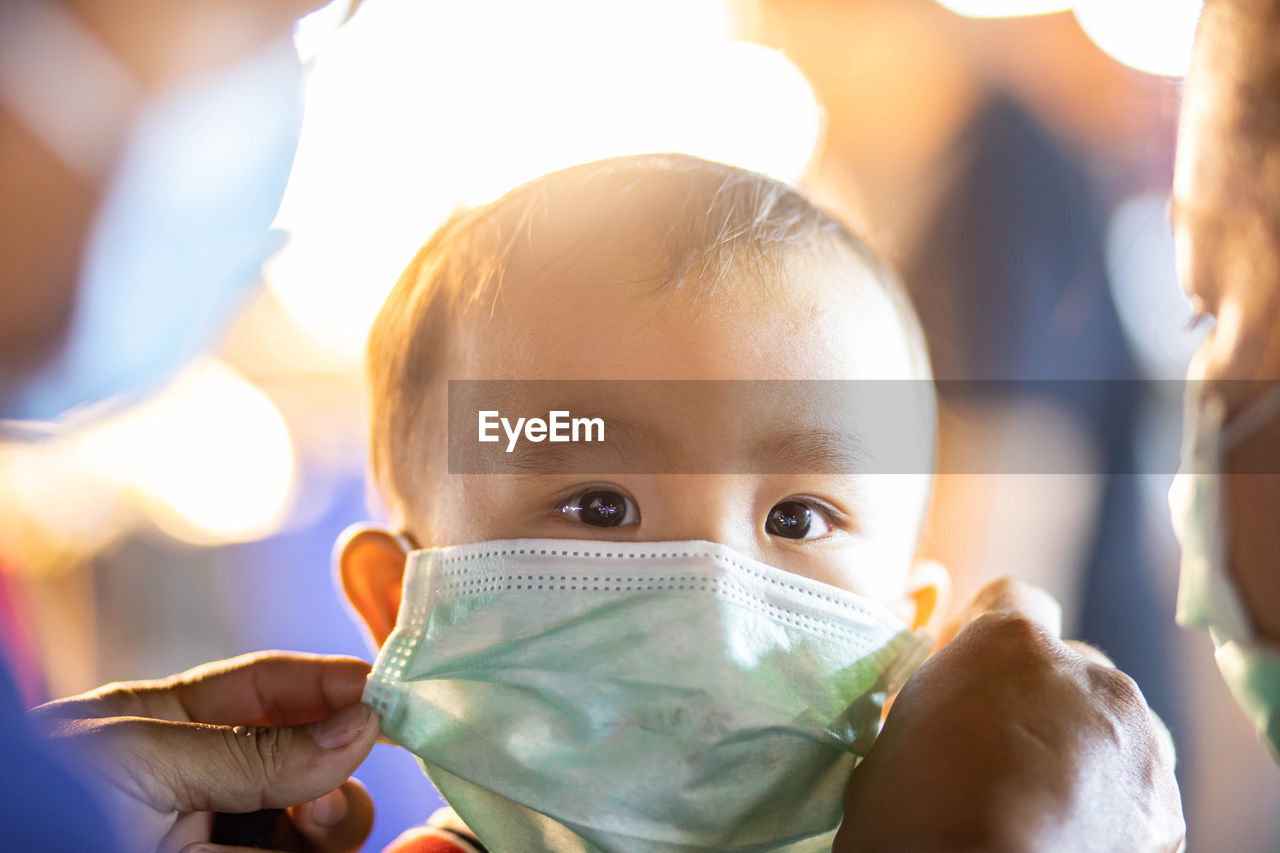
[796, 520]
[599, 507]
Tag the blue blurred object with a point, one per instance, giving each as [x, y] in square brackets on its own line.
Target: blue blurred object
[43, 806]
[180, 238]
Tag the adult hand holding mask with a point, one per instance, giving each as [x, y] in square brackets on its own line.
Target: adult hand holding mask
[1011, 739]
[262, 731]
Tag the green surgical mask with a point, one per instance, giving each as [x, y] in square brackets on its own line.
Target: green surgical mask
[1207, 597]
[574, 695]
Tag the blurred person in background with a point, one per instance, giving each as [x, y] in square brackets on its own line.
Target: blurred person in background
[144, 147]
[1226, 215]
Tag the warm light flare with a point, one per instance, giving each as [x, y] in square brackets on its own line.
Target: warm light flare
[210, 459]
[415, 109]
[1150, 35]
[1154, 36]
[1004, 8]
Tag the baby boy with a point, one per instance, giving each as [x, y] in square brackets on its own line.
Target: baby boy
[675, 628]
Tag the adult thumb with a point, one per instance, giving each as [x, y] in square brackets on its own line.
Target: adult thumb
[192, 767]
[1012, 596]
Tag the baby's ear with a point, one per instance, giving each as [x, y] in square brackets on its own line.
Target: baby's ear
[370, 566]
[930, 589]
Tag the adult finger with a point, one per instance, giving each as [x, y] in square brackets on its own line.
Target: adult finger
[269, 689]
[259, 689]
[338, 822]
[1008, 595]
[192, 767]
[1090, 653]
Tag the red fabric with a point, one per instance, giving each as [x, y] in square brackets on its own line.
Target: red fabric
[15, 647]
[426, 839]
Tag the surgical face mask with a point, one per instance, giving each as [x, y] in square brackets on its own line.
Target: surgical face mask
[573, 695]
[1207, 597]
[183, 228]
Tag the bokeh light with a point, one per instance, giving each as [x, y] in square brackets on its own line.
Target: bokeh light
[1004, 8]
[53, 513]
[415, 109]
[1157, 315]
[1154, 36]
[210, 460]
[1150, 35]
[312, 33]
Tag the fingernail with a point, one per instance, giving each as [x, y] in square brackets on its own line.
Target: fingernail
[329, 809]
[342, 728]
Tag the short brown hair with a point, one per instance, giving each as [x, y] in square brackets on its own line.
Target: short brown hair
[708, 219]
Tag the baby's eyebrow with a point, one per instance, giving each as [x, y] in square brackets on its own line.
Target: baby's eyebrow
[627, 448]
[546, 458]
[808, 451]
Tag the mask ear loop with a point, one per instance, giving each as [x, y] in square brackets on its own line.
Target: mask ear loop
[405, 540]
[1252, 419]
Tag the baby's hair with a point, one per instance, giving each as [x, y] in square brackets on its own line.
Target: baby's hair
[706, 220]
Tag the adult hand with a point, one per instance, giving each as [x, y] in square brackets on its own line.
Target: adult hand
[262, 731]
[1009, 739]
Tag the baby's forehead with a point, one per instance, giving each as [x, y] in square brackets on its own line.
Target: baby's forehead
[777, 369]
[613, 312]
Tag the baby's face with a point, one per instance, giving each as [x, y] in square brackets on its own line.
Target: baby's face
[604, 319]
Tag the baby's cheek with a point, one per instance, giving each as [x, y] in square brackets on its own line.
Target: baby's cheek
[470, 508]
[890, 583]
[892, 509]
[869, 569]
[888, 542]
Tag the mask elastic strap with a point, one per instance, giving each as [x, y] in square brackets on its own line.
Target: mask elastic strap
[65, 86]
[1252, 419]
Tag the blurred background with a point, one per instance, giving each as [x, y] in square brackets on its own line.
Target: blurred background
[1011, 159]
